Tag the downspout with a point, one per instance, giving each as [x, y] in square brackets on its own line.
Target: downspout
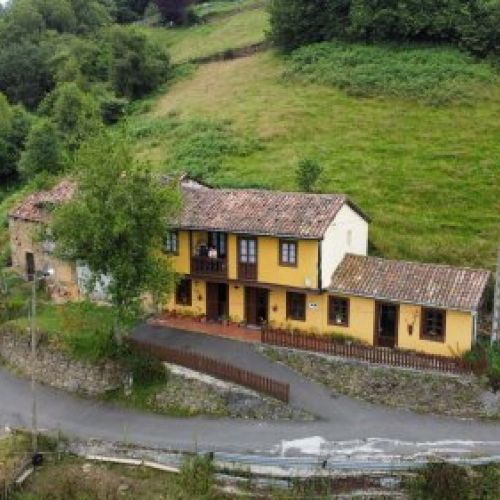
[320, 266]
[474, 326]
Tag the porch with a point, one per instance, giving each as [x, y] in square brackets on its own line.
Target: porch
[216, 329]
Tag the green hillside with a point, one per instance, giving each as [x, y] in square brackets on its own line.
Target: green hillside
[426, 171]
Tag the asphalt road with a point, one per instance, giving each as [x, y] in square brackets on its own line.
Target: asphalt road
[343, 420]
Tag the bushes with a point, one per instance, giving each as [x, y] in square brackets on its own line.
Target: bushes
[197, 478]
[470, 23]
[440, 481]
[445, 481]
[485, 360]
[43, 151]
[138, 65]
[433, 75]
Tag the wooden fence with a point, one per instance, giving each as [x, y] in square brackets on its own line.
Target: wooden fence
[329, 345]
[219, 369]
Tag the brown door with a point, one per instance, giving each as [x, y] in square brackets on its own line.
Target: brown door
[217, 301]
[386, 324]
[256, 305]
[30, 266]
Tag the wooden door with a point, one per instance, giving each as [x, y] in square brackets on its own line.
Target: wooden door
[212, 301]
[262, 306]
[251, 305]
[30, 266]
[386, 324]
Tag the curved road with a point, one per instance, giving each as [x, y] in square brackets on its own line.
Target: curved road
[342, 419]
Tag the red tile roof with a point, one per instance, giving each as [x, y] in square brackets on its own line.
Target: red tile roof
[433, 285]
[251, 211]
[36, 207]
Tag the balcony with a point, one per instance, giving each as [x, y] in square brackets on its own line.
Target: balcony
[247, 271]
[207, 266]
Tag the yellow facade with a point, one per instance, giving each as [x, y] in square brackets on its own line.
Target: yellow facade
[277, 279]
[269, 270]
[459, 325]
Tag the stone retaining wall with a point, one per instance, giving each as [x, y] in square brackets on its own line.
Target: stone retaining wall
[57, 369]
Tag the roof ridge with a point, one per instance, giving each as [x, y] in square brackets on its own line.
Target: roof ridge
[418, 263]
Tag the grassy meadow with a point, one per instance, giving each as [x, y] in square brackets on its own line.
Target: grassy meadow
[245, 27]
[429, 176]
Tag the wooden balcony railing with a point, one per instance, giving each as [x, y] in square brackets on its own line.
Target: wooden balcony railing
[206, 266]
[247, 271]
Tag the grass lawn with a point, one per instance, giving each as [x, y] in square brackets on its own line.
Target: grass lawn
[232, 32]
[224, 7]
[74, 478]
[82, 329]
[428, 176]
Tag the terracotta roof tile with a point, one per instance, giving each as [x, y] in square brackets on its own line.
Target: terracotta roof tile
[36, 207]
[409, 282]
[252, 211]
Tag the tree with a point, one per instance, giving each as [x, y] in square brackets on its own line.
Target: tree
[174, 11]
[14, 127]
[43, 152]
[299, 22]
[117, 222]
[75, 113]
[25, 72]
[138, 65]
[307, 174]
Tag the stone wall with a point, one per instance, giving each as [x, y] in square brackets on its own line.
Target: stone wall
[57, 369]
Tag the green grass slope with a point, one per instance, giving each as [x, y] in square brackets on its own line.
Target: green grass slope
[429, 176]
[243, 28]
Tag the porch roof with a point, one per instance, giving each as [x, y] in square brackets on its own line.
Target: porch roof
[261, 212]
[432, 285]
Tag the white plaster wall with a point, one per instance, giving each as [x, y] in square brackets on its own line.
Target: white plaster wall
[348, 233]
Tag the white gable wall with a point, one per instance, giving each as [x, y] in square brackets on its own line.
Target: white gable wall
[348, 233]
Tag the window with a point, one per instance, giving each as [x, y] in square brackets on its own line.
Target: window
[349, 238]
[288, 253]
[433, 324]
[248, 251]
[218, 241]
[183, 293]
[296, 306]
[171, 244]
[338, 311]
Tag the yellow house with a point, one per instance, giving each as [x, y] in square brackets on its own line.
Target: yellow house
[298, 261]
[295, 261]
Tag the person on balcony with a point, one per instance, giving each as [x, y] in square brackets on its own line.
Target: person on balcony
[202, 249]
[212, 252]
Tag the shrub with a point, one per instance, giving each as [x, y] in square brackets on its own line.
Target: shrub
[200, 146]
[43, 153]
[197, 478]
[138, 65]
[307, 174]
[433, 75]
[440, 481]
[485, 361]
[145, 368]
[471, 23]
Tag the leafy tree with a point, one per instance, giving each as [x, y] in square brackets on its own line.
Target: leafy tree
[91, 15]
[14, 127]
[138, 65]
[43, 152]
[75, 114]
[25, 72]
[307, 174]
[57, 15]
[117, 222]
[128, 11]
[174, 11]
[473, 24]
